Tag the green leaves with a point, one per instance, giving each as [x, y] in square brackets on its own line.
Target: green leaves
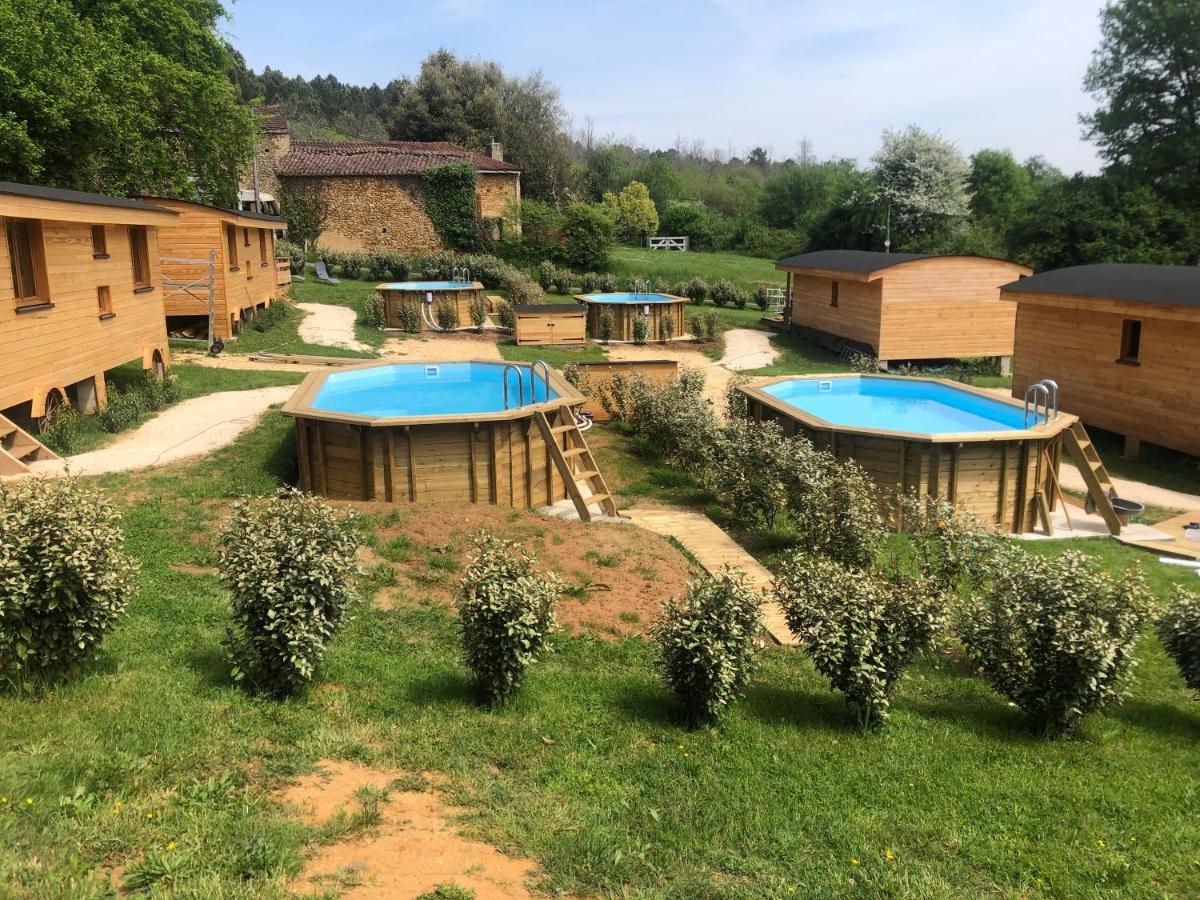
[450, 203]
[1179, 630]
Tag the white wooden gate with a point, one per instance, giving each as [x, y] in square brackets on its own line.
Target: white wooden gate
[667, 243]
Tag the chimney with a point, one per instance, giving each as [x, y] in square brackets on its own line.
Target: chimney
[497, 151]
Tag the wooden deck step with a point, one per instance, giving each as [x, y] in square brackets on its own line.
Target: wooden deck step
[574, 449]
[18, 448]
[1095, 476]
[561, 429]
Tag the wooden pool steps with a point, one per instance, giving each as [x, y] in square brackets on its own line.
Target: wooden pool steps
[1095, 476]
[576, 465]
[18, 448]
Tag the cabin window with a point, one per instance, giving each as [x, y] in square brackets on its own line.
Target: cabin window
[1131, 341]
[231, 246]
[99, 242]
[104, 301]
[27, 262]
[139, 251]
[262, 245]
[833, 294]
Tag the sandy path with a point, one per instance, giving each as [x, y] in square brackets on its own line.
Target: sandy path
[748, 348]
[329, 325]
[192, 428]
[459, 347]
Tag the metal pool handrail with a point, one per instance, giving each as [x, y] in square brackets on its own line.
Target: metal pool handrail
[520, 385]
[533, 366]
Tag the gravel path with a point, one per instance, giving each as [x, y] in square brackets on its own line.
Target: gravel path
[192, 428]
[329, 325]
[748, 348]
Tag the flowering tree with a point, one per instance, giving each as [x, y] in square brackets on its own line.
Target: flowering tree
[922, 180]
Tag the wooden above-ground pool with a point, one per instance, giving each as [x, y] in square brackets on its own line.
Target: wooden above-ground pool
[451, 432]
[985, 453]
[424, 297]
[626, 307]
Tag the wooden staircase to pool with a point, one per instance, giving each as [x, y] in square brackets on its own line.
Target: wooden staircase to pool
[575, 463]
[1095, 476]
[18, 448]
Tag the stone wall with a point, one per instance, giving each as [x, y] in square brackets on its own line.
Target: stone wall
[497, 194]
[271, 148]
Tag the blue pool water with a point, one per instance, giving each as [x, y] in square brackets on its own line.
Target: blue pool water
[628, 298]
[427, 285]
[419, 389]
[898, 404]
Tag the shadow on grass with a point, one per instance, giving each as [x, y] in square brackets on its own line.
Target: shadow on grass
[212, 665]
[1163, 719]
[983, 716]
[651, 704]
[794, 707]
[447, 688]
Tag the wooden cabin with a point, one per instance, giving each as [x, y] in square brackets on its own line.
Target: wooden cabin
[1123, 344]
[247, 278]
[79, 295]
[902, 306]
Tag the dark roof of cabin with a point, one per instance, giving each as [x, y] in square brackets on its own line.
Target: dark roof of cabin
[862, 262]
[1137, 283]
[379, 158]
[271, 119]
[265, 217]
[66, 196]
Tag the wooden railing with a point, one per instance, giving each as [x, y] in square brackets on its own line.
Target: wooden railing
[667, 243]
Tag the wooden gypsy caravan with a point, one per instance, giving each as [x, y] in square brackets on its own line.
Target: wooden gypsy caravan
[902, 306]
[246, 275]
[79, 294]
[1123, 344]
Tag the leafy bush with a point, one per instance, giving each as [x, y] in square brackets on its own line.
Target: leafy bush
[1056, 636]
[588, 235]
[696, 290]
[374, 314]
[1179, 631]
[608, 283]
[506, 613]
[123, 409]
[641, 329]
[679, 289]
[951, 546]
[541, 228]
[673, 419]
[445, 314]
[61, 431]
[521, 290]
[740, 299]
[289, 563]
[506, 318]
[353, 264]
[266, 319]
[606, 326]
[666, 327]
[696, 326]
[860, 629]
[408, 318]
[387, 265]
[293, 253]
[658, 285]
[750, 469]
[64, 577]
[762, 297]
[546, 272]
[563, 281]
[478, 311]
[158, 392]
[710, 325]
[723, 293]
[706, 643]
[589, 283]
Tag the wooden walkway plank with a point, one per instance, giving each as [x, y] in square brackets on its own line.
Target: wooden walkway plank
[714, 549]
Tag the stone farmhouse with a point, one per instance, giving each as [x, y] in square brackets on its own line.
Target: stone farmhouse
[373, 188]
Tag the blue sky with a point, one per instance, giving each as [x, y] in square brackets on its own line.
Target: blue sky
[733, 73]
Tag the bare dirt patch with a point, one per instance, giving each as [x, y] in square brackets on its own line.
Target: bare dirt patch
[190, 569]
[329, 325]
[413, 847]
[461, 346]
[617, 575]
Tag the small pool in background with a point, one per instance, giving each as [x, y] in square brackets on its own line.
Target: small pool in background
[628, 297]
[663, 314]
[426, 286]
[401, 299]
[899, 404]
[436, 389]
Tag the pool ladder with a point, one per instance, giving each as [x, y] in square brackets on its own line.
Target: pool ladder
[1041, 395]
[533, 369]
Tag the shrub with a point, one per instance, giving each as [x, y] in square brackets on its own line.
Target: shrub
[353, 264]
[951, 546]
[666, 328]
[607, 326]
[589, 283]
[696, 326]
[834, 506]
[478, 311]
[563, 280]
[541, 228]
[506, 318]
[289, 563]
[750, 469]
[1056, 636]
[673, 419]
[608, 283]
[123, 409]
[546, 272]
[706, 643]
[374, 315]
[723, 292]
[445, 314]
[506, 613]
[588, 235]
[61, 432]
[710, 326]
[1179, 631]
[521, 290]
[860, 629]
[679, 289]
[762, 298]
[641, 329]
[658, 285]
[64, 577]
[155, 392]
[294, 253]
[408, 318]
[740, 299]
[696, 290]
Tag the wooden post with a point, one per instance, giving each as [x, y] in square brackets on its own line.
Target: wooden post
[935, 474]
[528, 464]
[389, 466]
[302, 451]
[412, 465]
[1022, 490]
[473, 474]
[322, 465]
[492, 465]
[955, 452]
[1002, 510]
[366, 471]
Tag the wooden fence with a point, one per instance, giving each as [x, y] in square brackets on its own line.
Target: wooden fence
[667, 243]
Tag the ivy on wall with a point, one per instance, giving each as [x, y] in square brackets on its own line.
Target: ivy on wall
[450, 203]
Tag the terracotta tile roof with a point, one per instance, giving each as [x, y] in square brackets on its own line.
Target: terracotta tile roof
[317, 158]
[271, 119]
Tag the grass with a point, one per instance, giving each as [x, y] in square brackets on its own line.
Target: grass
[555, 356]
[745, 271]
[1155, 465]
[155, 760]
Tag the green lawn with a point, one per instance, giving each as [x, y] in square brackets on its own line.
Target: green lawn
[153, 759]
[555, 356]
[746, 271]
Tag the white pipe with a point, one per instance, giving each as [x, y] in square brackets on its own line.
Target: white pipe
[1186, 563]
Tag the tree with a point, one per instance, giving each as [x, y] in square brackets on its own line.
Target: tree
[632, 212]
[922, 180]
[120, 97]
[607, 170]
[1146, 77]
[1001, 188]
[661, 179]
[799, 196]
[587, 235]
[693, 219]
[306, 210]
